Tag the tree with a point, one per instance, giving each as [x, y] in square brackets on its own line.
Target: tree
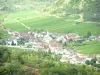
[1, 36]
[2, 42]
[97, 65]
[4, 54]
[93, 61]
[88, 34]
[21, 41]
[87, 62]
[73, 71]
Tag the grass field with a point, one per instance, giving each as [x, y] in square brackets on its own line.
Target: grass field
[90, 48]
[37, 21]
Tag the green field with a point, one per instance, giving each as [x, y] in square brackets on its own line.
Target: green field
[90, 48]
[53, 24]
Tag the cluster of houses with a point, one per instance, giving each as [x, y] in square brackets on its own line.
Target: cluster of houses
[43, 38]
[76, 58]
[46, 41]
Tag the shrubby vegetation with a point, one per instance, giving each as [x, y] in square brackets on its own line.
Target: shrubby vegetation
[93, 62]
[63, 8]
[92, 10]
[28, 62]
[3, 36]
[89, 9]
[19, 5]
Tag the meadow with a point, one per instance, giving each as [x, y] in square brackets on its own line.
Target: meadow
[41, 22]
[90, 48]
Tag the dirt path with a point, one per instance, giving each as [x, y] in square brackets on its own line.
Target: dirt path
[23, 24]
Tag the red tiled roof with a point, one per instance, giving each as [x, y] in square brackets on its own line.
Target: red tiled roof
[25, 35]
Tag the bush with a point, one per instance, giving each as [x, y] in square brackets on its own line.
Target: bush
[4, 54]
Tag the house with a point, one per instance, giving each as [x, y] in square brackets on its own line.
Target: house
[98, 38]
[64, 58]
[80, 60]
[25, 35]
[16, 34]
[54, 45]
[62, 39]
[36, 45]
[12, 41]
[10, 32]
[9, 42]
[92, 38]
[81, 55]
[72, 36]
[47, 38]
[66, 52]
[77, 60]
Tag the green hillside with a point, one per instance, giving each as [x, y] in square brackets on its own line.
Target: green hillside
[19, 5]
[87, 9]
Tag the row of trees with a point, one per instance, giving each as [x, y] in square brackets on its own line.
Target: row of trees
[93, 62]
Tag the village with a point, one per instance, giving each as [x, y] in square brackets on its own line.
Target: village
[53, 42]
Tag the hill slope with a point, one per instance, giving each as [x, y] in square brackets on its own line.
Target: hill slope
[16, 5]
[86, 9]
